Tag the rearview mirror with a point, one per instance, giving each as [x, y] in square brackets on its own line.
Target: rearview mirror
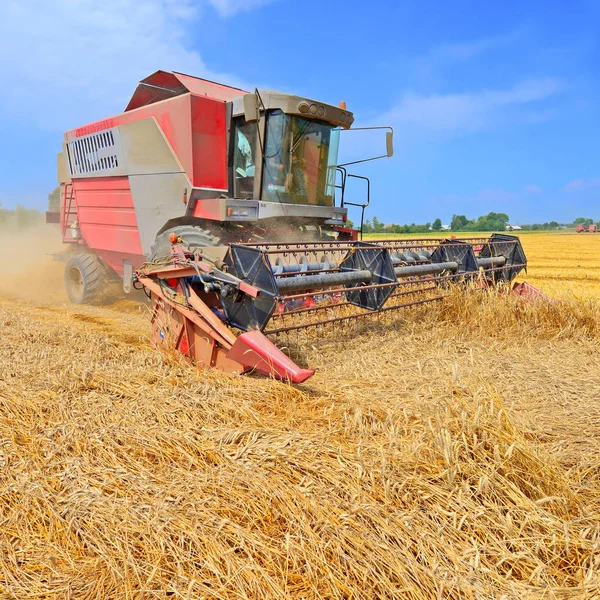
[250, 107]
[389, 143]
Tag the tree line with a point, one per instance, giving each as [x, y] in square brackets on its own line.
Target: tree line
[491, 222]
[20, 218]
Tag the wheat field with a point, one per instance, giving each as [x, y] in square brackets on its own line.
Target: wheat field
[564, 264]
[451, 451]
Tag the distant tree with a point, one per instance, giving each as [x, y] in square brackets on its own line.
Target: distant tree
[54, 199]
[437, 225]
[458, 222]
[377, 225]
[583, 221]
[542, 226]
[367, 227]
[502, 217]
[27, 217]
[472, 225]
[491, 222]
[20, 218]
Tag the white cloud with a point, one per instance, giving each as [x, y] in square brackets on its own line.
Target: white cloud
[419, 118]
[469, 111]
[68, 62]
[228, 8]
[582, 184]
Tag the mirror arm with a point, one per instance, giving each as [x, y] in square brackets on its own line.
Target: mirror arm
[389, 142]
[355, 162]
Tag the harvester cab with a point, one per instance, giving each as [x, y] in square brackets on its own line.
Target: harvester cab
[284, 157]
[228, 208]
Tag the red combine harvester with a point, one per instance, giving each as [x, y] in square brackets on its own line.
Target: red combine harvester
[229, 209]
[593, 228]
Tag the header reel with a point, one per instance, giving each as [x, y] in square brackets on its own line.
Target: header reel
[275, 288]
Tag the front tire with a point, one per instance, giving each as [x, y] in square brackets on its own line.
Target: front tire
[193, 236]
[85, 279]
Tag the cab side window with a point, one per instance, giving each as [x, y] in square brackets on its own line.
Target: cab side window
[244, 156]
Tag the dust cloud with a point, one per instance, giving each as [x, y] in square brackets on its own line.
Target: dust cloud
[27, 269]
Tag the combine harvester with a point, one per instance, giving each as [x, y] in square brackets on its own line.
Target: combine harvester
[593, 228]
[229, 209]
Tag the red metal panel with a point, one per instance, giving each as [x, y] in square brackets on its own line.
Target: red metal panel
[107, 217]
[163, 84]
[196, 129]
[210, 89]
[115, 260]
[255, 351]
[163, 79]
[209, 143]
[202, 337]
[94, 127]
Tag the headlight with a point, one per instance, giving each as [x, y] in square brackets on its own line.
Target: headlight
[238, 212]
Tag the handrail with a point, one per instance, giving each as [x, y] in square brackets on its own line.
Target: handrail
[361, 205]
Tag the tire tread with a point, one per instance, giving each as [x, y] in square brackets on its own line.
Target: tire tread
[93, 273]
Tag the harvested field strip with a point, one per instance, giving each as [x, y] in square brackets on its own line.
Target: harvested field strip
[450, 452]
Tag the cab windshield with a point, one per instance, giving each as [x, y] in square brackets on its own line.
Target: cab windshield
[300, 158]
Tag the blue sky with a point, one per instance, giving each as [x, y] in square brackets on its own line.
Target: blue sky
[494, 104]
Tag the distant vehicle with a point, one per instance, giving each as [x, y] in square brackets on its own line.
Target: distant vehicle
[593, 228]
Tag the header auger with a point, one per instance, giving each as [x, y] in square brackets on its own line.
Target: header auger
[230, 209]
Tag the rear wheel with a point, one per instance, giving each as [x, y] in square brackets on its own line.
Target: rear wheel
[85, 278]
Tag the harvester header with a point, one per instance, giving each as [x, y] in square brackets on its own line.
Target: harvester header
[229, 209]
